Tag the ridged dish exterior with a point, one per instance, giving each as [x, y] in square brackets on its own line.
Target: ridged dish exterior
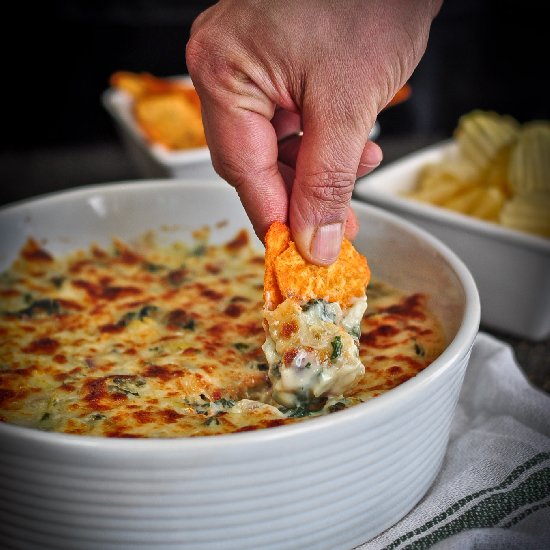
[325, 483]
[349, 483]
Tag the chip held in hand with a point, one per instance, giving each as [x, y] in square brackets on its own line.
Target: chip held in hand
[312, 319]
[289, 275]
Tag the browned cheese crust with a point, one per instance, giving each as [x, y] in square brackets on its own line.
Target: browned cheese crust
[151, 341]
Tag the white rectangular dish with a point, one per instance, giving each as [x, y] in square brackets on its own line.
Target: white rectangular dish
[152, 160]
[511, 269]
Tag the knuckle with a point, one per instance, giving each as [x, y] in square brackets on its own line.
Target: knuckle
[228, 170]
[236, 171]
[195, 52]
[334, 187]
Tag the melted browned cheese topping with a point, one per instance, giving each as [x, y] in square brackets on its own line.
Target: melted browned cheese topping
[150, 341]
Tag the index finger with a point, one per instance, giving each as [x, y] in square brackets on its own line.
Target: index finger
[243, 147]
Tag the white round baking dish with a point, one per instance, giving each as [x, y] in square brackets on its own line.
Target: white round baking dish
[329, 482]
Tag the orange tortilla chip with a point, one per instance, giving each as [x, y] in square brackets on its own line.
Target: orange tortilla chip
[191, 95]
[288, 275]
[277, 240]
[134, 84]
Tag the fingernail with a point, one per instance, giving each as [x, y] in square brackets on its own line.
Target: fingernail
[326, 243]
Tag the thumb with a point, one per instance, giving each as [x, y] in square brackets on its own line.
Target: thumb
[326, 170]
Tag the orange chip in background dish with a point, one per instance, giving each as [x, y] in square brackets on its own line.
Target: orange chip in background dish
[168, 111]
[133, 84]
[139, 84]
[170, 119]
[191, 95]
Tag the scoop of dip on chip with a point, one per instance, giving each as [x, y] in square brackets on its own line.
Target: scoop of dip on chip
[312, 319]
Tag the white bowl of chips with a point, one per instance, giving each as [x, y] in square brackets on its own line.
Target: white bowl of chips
[363, 467]
[490, 230]
[158, 126]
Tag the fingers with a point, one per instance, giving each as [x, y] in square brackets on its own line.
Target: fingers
[325, 174]
[289, 146]
[329, 159]
[286, 124]
[352, 225]
[371, 157]
[237, 105]
[246, 153]
[288, 153]
[288, 149]
[243, 146]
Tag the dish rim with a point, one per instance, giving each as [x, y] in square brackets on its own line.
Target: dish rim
[458, 348]
[436, 213]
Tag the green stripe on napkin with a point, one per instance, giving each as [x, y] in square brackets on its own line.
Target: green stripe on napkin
[490, 511]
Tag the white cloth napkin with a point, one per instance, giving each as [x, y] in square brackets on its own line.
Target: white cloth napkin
[493, 491]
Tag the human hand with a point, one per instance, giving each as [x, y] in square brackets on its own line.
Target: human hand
[265, 70]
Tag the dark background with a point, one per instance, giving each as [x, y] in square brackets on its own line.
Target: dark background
[56, 134]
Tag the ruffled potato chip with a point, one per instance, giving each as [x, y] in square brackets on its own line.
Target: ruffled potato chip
[489, 204]
[446, 189]
[454, 169]
[529, 168]
[496, 162]
[529, 212]
[497, 172]
[482, 134]
[465, 202]
[295, 278]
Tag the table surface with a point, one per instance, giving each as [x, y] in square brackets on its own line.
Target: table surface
[27, 174]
